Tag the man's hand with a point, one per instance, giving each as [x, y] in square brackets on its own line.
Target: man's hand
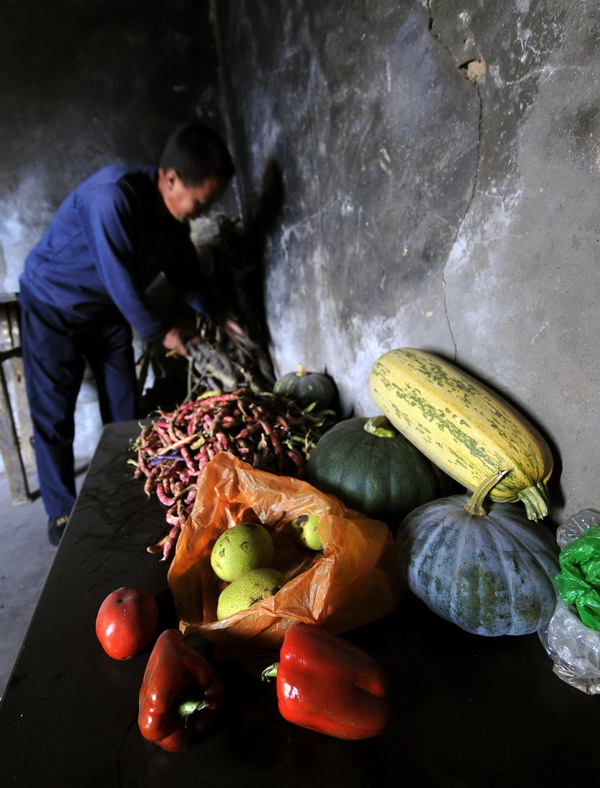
[232, 328]
[176, 338]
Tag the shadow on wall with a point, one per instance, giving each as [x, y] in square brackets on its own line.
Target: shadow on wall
[261, 224]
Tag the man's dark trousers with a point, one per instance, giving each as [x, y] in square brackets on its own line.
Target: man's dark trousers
[56, 345]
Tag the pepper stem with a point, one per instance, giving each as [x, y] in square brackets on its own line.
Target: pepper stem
[270, 672]
[535, 499]
[380, 426]
[475, 503]
[187, 708]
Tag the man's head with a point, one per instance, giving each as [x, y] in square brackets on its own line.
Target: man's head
[194, 170]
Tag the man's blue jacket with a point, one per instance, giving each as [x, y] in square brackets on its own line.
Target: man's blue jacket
[108, 241]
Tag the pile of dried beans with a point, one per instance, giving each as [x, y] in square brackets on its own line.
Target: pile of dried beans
[263, 429]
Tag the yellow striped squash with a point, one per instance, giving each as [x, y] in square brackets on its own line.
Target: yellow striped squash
[463, 427]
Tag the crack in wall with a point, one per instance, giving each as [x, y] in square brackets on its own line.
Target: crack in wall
[474, 70]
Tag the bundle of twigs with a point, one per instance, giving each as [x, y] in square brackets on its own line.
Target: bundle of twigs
[264, 429]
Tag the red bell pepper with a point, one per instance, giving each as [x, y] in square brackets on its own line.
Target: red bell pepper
[180, 696]
[329, 685]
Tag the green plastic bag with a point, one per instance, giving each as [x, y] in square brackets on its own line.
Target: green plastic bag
[578, 582]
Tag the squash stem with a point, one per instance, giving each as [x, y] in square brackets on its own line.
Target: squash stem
[380, 426]
[535, 499]
[301, 371]
[475, 503]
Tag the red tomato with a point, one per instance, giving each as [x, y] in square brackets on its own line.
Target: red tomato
[126, 622]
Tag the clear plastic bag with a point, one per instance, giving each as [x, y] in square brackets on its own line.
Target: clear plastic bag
[574, 526]
[574, 647]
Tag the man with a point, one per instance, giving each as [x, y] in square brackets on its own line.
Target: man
[83, 289]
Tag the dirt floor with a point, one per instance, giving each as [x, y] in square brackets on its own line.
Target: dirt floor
[25, 560]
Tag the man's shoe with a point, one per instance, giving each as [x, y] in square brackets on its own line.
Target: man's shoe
[56, 527]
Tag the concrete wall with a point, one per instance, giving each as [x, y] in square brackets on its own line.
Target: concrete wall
[418, 172]
[438, 167]
[86, 83]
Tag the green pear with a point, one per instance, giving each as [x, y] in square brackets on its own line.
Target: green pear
[247, 590]
[306, 527]
[239, 549]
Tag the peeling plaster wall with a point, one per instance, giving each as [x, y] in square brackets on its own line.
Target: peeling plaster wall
[428, 202]
[372, 202]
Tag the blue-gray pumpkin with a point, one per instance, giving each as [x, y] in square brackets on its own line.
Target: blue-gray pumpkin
[489, 574]
[372, 468]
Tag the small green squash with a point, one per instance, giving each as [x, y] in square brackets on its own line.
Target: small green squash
[307, 387]
[372, 468]
[490, 574]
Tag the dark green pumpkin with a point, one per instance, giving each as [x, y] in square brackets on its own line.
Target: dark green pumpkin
[489, 574]
[371, 467]
[307, 387]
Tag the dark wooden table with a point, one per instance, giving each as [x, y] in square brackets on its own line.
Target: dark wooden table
[468, 711]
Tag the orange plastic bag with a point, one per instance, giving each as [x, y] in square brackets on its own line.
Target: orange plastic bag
[354, 581]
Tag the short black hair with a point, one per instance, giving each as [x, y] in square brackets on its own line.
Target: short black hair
[197, 152]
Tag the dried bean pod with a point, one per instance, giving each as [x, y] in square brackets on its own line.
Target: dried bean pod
[249, 430]
[229, 422]
[165, 482]
[162, 496]
[188, 458]
[141, 465]
[203, 456]
[222, 441]
[149, 484]
[171, 516]
[297, 460]
[178, 444]
[170, 541]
